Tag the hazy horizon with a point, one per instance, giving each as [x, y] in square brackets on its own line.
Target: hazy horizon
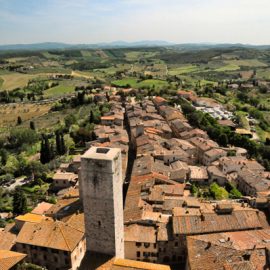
[98, 21]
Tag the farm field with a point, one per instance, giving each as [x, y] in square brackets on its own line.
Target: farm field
[133, 82]
[183, 70]
[16, 80]
[50, 121]
[59, 90]
[10, 112]
[228, 67]
[246, 63]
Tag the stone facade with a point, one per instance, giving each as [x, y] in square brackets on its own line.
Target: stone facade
[101, 188]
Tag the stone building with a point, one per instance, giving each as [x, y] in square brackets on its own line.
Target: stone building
[53, 244]
[101, 189]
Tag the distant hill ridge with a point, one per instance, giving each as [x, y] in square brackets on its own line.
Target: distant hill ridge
[124, 44]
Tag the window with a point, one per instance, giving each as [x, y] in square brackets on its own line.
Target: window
[55, 259]
[155, 245]
[138, 244]
[66, 261]
[146, 254]
[99, 224]
[45, 257]
[146, 245]
[138, 254]
[176, 244]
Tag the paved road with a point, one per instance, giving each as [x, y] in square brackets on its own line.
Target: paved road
[19, 182]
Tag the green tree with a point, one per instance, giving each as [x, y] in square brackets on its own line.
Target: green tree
[19, 120]
[19, 202]
[32, 125]
[45, 150]
[91, 117]
[218, 192]
[223, 139]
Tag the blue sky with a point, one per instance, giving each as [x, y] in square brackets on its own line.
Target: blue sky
[92, 21]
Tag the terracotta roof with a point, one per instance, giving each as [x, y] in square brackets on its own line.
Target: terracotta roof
[159, 100]
[7, 240]
[125, 264]
[198, 173]
[51, 234]
[108, 117]
[244, 250]
[41, 208]
[29, 217]
[8, 259]
[140, 233]
[65, 176]
[212, 222]
[135, 265]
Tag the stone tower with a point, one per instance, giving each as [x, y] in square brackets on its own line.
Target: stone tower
[101, 191]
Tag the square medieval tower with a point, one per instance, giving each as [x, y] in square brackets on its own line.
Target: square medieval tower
[101, 191]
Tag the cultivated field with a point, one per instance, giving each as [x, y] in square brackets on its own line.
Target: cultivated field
[59, 90]
[10, 112]
[16, 80]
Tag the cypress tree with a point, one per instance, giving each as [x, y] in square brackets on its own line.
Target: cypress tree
[45, 150]
[91, 118]
[19, 202]
[32, 125]
[63, 146]
[19, 120]
[42, 152]
[58, 143]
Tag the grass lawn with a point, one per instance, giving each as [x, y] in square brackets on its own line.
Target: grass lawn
[42, 189]
[243, 119]
[262, 134]
[122, 83]
[59, 91]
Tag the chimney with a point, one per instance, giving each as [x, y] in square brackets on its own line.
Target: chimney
[202, 217]
[208, 245]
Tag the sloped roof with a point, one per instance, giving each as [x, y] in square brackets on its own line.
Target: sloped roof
[41, 208]
[8, 259]
[7, 240]
[212, 222]
[140, 233]
[226, 251]
[125, 264]
[51, 234]
[29, 217]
